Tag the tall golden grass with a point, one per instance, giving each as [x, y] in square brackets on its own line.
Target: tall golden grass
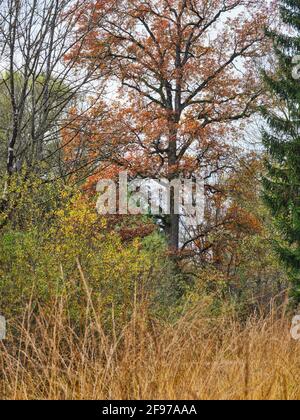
[197, 358]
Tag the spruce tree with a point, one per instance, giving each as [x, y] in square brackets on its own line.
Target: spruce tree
[282, 140]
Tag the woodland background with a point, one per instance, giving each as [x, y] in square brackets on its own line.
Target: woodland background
[121, 306]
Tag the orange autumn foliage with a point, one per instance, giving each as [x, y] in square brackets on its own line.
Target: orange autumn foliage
[180, 76]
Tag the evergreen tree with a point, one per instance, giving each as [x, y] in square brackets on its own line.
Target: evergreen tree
[282, 140]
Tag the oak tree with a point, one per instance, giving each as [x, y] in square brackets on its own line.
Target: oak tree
[181, 75]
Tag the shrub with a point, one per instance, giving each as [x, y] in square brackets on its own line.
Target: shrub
[72, 254]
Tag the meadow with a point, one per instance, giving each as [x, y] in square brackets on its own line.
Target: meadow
[195, 359]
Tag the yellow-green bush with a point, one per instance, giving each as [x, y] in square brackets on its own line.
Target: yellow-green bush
[69, 252]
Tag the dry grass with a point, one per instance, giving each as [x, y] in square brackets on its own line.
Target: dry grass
[194, 359]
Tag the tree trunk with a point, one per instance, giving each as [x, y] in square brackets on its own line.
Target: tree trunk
[173, 232]
[173, 225]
